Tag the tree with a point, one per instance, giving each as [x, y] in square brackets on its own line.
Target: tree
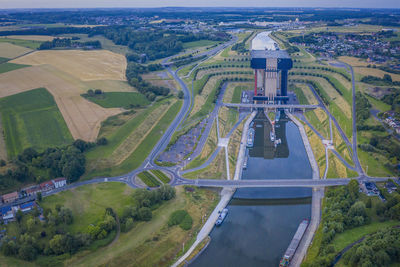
[102, 141]
[18, 216]
[144, 214]
[2, 162]
[57, 244]
[180, 95]
[39, 196]
[27, 252]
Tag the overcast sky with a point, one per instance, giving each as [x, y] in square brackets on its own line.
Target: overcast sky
[4, 4]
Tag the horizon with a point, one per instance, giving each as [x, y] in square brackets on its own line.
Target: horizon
[95, 4]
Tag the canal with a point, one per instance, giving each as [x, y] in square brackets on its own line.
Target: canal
[262, 221]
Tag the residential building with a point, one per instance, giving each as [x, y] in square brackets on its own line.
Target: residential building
[7, 198]
[59, 182]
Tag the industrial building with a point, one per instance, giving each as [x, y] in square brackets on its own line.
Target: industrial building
[271, 67]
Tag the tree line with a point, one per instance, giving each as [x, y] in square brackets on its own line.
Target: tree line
[69, 43]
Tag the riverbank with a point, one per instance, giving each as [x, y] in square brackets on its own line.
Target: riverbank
[317, 195]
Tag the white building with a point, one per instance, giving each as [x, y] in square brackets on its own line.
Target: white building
[59, 182]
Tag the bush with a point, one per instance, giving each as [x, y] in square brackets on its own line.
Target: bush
[181, 218]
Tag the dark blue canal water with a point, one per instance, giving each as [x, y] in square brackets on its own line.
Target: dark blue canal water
[262, 221]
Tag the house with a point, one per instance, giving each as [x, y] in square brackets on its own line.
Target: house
[26, 207]
[46, 186]
[32, 190]
[371, 189]
[6, 213]
[390, 187]
[59, 182]
[11, 197]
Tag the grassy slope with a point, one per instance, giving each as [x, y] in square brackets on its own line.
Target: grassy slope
[199, 43]
[153, 243]
[88, 203]
[118, 99]
[145, 147]
[32, 119]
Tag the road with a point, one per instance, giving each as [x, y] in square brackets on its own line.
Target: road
[289, 106]
[355, 154]
[254, 183]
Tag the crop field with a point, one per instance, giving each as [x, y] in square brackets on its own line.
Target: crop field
[353, 61]
[148, 179]
[375, 72]
[119, 99]
[110, 85]
[5, 67]
[8, 50]
[30, 37]
[82, 116]
[32, 119]
[84, 65]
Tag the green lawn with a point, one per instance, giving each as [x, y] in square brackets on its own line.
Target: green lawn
[32, 119]
[88, 202]
[160, 175]
[145, 147]
[5, 67]
[118, 99]
[347, 237]
[25, 43]
[148, 179]
[237, 93]
[199, 43]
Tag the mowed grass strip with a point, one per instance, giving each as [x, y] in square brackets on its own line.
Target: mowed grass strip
[118, 99]
[148, 179]
[162, 176]
[32, 119]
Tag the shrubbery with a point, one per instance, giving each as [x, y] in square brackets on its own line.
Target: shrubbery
[181, 218]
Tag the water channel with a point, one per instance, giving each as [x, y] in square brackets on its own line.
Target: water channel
[262, 221]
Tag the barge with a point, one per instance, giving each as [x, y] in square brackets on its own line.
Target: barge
[294, 244]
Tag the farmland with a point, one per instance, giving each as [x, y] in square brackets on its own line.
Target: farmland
[84, 65]
[118, 99]
[8, 50]
[67, 74]
[32, 119]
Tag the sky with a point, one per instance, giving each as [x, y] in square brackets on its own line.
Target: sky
[5, 4]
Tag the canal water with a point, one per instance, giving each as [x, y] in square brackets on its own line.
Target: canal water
[262, 221]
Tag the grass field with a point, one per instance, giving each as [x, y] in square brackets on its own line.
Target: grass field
[199, 43]
[148, 179]
[32, 119]
[161, 176]
[8, 50]
[5, 67]
[143, 149]
[88, 203]
[119, 99]
[317, 148]
[153, 243]
[31, 44]
[216, 169]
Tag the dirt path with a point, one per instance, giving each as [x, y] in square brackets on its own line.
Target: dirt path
[118, 231]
